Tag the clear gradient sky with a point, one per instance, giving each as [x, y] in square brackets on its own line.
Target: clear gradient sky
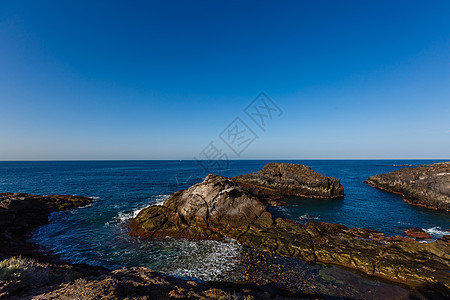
[161, 79]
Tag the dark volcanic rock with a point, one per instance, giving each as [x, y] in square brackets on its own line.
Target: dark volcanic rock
[418, 233]
[20, 213]
[425, 186]
[277, 180]
[220, 207]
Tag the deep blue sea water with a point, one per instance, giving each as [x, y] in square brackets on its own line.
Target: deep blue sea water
[97, 234]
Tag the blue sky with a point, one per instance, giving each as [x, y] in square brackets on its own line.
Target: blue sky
[162, 79]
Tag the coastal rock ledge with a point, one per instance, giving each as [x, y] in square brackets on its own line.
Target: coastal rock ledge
[221, 207]
[427, 186]
[277, 180]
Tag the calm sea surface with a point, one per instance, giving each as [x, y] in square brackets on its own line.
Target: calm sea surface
[97, 234]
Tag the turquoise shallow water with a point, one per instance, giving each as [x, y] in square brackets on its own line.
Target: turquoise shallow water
[97, 234]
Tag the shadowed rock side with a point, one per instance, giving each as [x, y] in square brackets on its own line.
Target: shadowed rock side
[20, 213]
[425, 186]
[219, 207]
[277, 180]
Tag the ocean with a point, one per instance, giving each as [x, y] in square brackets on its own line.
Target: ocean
[97, 234]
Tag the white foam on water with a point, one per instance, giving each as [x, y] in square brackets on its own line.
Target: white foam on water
[437, 232]
[204, 259]
[160, 199]
[126, 215]
[308, 217]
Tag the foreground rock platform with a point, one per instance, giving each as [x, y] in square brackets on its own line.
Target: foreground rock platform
[221, 207]
[427, 186]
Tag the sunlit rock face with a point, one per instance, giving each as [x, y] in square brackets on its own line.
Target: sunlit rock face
[425, 186]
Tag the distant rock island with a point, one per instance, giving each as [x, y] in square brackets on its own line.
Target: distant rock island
[277, 180]
[236, 208]
[427, 186]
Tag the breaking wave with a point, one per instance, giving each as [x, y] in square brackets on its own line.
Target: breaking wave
[437, 232]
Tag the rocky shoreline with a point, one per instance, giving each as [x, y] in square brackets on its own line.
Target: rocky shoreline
[20, 213]
[427, 186]
[27, 273]
[223, 207]
[274, 249]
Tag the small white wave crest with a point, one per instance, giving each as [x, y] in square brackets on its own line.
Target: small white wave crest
[437, 232]
[126, 215]
[308, 217]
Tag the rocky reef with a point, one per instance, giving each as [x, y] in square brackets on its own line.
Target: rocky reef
[222, 207]
[277, 180]
[20, 213]
[427, 186]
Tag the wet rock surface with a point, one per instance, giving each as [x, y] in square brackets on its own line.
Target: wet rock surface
[322, 280]
[418, 233]
[220, 207]
[427, 186]
[128, 283]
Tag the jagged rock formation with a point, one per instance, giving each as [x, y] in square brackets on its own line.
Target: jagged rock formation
[278, 180]
[20, 213]
[425, 186]
[207, 210]
[220, 207]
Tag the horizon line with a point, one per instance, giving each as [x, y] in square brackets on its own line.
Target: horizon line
[238, 159]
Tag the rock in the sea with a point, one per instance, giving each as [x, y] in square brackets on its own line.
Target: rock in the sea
[417, 233]
[221, 207]
[277, 180]
[206, 210]
[19, 213]
[425, 186]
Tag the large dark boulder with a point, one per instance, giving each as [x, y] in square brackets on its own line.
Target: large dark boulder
[206, 210]
[427, 186]
[277, 180]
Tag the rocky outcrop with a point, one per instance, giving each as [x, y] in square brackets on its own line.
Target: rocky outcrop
[20, 213]
[425, 186]
[211, 209]
[220, 207]
[417, 233]
[277, 180]
[37, 276]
